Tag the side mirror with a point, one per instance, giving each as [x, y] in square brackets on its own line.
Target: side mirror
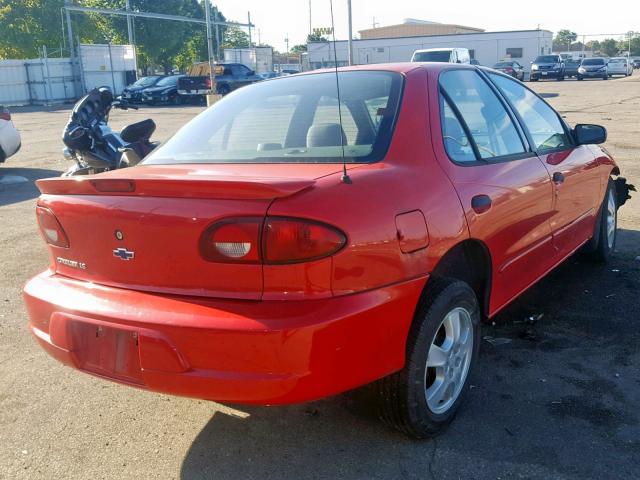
[585, 134]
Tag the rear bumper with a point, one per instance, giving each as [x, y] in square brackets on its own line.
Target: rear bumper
[259, 352]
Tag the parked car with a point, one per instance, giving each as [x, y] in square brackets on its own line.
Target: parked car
[595, 67]
[511, 68]
[619, 66]
[9, 135]
[636, 63]
[547, 66]
[133, 93]
[165, 91]
[571, 67]
[268, 75]
[228, 77]
[258, 257]
[447, 55]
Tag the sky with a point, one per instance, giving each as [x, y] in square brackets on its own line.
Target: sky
[277, 19]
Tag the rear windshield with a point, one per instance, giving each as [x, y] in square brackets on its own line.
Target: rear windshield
[546, 59]
[293, 120]
[439, 56]
[145, 81]
[617, 60]
[593, 61]
[168, 81]
[503, 65]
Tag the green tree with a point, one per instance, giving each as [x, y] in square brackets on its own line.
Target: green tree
[564, 40]
[235, 37]
[27, 25]
[609, 47]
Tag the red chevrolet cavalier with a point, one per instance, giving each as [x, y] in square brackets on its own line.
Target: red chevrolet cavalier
[297, 240]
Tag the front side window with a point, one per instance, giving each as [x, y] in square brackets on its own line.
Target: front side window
[540, 119]
[293, 120]
[491, 127]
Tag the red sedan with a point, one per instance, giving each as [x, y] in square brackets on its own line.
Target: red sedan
[292, 242]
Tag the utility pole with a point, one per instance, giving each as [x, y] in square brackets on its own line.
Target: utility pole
[129, 23]
[207, 16]
[286, 41]
[218, 40]
[75, 71]
[310, 28]
[350, 42]
[249, 22]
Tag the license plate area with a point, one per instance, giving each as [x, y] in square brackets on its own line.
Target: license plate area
[106, 351]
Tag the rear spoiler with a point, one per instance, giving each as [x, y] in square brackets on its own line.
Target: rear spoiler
[213, 187]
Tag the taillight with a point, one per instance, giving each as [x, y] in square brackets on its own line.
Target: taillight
[207, 83]
[290, 240]
[50, 227]
[235, 240]
[274, 240]
[5, 115]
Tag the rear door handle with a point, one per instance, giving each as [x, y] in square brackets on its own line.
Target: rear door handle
[558, 178]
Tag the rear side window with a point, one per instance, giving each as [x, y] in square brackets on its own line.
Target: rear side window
[540, 119]
[456, 141]
[491, 127]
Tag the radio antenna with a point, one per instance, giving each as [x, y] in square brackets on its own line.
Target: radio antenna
[345, 176]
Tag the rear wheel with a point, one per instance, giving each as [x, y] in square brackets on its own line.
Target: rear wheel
[580, 77]
[442, 348]
[223, 90]
[603, 242]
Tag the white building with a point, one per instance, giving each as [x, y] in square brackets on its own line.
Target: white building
[486, 47]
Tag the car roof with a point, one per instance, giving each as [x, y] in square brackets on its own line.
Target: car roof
[443, 49]
[399, 67]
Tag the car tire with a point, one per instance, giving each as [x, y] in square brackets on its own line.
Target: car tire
[580, 78]
[224, 90]
[605, 231]
[420, 400]
[533, 79]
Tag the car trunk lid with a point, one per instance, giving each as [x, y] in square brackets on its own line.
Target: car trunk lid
[140, 227]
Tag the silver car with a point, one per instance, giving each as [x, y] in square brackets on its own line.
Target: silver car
[620, 66]
[9, 135]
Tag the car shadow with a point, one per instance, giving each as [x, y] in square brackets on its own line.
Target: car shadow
[549, 95]
[18, 184]
[541, 403]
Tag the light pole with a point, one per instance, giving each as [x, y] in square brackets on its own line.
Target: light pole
[350, 42]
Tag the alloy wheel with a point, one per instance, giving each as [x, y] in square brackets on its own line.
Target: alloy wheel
[449, 360]
[611, 219]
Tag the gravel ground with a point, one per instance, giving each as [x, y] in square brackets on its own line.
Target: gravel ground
[557, 397]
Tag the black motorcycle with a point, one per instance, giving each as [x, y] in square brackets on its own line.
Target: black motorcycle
[91, 143]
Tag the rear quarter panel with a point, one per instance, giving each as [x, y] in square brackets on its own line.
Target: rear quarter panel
[407, 179]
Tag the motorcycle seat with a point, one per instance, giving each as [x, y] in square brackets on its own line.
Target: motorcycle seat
[138, 131]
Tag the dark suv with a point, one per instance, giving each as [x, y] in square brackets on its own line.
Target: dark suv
[547, 66]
